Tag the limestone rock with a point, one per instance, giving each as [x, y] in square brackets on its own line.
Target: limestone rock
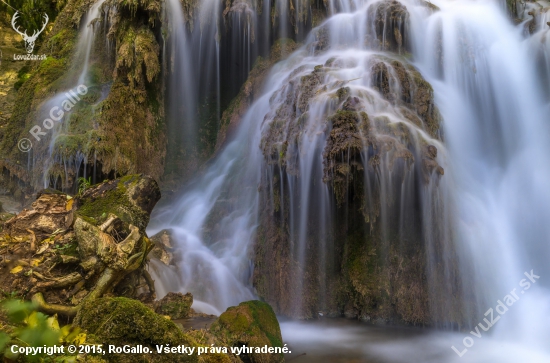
[163, 247]
[131, 198]
[391, 22]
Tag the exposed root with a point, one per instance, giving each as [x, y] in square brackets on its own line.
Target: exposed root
[52, 309]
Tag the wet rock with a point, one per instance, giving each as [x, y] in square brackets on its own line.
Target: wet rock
[251, 89]
[254, 324]
[175, 305]
[430, 163]
[351, 313]
[433, 8]
[365, 318]
[162, 247]
[345, 142]
[401, 83]
[322, 40]
[371, 137]
[391, 22]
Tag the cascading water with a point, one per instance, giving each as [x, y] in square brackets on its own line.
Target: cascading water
[341, 88]
[211, 47]
[76, 160]
[490, 82]
[490, 87]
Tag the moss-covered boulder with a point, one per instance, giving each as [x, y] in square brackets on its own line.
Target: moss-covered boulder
[175, 305]
[121, 321]
[251, 324]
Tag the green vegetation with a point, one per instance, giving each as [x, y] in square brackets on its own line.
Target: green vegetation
[83, 184]
[32, 11]
[23, 325]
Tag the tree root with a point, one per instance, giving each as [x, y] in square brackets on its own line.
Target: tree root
[149, 280]
[51, 309]
[64, 281]
[103, 285]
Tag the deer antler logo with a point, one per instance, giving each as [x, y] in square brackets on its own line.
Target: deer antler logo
[29, 40]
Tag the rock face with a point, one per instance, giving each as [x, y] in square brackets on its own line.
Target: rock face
[65, 250]
[252, 324]
[391, 20]
[350, 166]
[251, 89]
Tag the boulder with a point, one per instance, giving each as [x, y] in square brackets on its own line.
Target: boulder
[175, 305]
[163, 247]
[252, 324]
[120, 321]
[131, 198]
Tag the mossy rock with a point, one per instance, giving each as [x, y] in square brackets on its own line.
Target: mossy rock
[131, 198]
[253, 324]
[121, 321]
[175, 305]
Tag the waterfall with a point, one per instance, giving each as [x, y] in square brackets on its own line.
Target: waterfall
[215, 223]
[491, 86]
[475, 190]
[52, 159]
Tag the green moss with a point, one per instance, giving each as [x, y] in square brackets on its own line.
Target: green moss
[112, 197]
[22, 76]
[121, 321]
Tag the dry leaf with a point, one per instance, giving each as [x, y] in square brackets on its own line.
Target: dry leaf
[16, 269]
[43, 248]
[69, 205]
[36, 261]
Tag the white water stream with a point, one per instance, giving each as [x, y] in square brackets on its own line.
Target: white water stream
[83, 52]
